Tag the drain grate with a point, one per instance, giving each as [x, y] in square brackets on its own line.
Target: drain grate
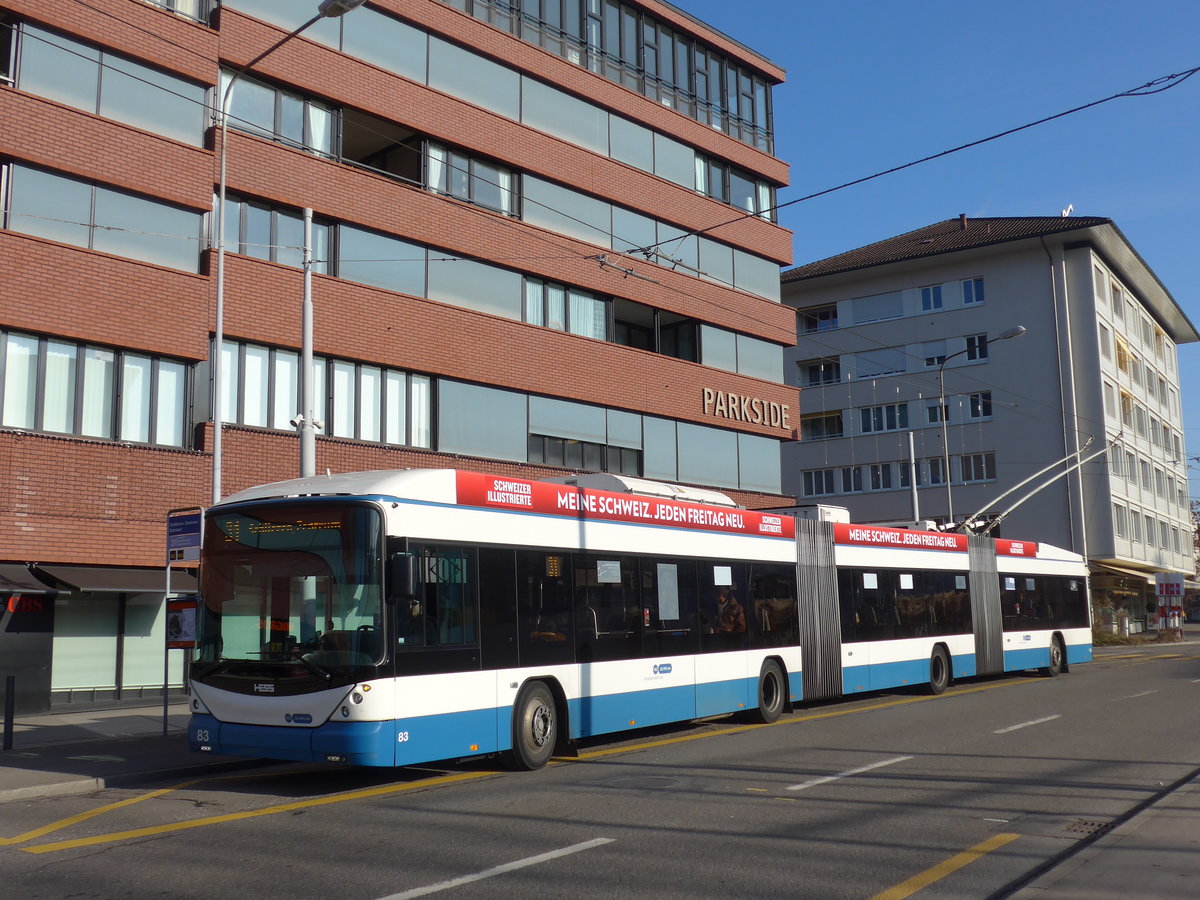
[1088, 826]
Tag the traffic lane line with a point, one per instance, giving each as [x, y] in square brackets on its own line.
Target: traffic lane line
[499, 870]
[849, 773]
[1040, 721]
[946, 867]
[152, 831]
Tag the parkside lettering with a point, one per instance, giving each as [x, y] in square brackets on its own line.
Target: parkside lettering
[740, 408]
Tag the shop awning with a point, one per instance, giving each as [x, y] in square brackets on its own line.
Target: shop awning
[15, 577]
[127, 581]
[1105, 569]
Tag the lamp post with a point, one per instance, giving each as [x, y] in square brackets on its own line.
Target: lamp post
[1016, 331]
[327, 9]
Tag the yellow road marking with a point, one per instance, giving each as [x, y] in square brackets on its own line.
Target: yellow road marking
[151, 831]
[83, 817]
[154, 830]
[946, 867]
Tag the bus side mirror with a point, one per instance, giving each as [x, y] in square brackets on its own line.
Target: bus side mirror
[402, 577]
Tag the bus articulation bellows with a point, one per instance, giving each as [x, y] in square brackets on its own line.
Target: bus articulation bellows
[397, 617]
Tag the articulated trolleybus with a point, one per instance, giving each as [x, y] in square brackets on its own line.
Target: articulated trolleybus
[397, 617]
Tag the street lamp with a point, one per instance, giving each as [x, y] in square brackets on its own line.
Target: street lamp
[1016, 331]
[327, 9]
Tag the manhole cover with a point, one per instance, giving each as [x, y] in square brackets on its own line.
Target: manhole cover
[1088, 826]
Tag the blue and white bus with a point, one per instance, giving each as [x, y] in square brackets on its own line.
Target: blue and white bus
[397, 617]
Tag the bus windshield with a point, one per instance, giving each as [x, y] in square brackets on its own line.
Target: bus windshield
[293, 582]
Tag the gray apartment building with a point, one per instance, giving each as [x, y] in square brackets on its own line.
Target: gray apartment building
[994, 347]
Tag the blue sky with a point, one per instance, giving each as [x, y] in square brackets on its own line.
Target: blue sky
[873, 84]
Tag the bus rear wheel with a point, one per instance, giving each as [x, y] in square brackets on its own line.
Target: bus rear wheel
[1056, 659]
[535, 727]
[939, 671]
[771, 696]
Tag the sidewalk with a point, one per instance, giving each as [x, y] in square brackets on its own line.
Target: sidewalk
[79, 751]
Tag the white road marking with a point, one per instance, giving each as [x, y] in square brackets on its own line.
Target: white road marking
[1026, 724]
[1135, 696]
[858, 771]
[498, 870]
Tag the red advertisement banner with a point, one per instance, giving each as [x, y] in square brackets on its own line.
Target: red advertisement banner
[900, 538]
[519, 495]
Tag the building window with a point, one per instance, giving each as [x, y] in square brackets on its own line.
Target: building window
[731, 185]
[1101, 285]
[565, 309]
[261, 388]
[818, 482]
[821, 427]
[881, 476]
[192, 9]
[937, 412]
[1164, 536]
[931, 298]
[63, 387]
[584, 456]
[108, 85]
[934, 353]
[972, 291]
[98, 218]
[977, 347]
[814, 372]
[888, 417]
[936, 472]
[978, 467]
[824, 318]
[1135, 528]
[1110, 400]
[635, 49]
[472, 180]
[1105, 342]
[1126, 410]
[291, 119]
[852, 479]
[273, 233]
[1145, 469]
[980, 405]
[1118, 301]
[1120, 520]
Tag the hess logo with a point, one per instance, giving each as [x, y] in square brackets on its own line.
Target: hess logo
[264, 687]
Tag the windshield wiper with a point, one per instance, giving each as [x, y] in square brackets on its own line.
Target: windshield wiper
[314, 668]
[203, 670]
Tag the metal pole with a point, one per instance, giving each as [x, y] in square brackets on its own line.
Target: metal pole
[912, 477]
[305, 421]
[10, 708]
[166, 642]
[945, 438]
[328, 9]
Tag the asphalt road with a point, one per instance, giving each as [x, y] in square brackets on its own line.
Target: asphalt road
[964, 795]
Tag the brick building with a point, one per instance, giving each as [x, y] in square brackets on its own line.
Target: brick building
[542, 241]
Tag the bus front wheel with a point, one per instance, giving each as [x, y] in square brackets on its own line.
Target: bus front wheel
[939, 671]
[535, 727]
